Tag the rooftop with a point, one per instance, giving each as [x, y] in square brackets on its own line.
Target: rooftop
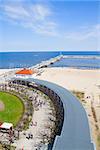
[25, 72]
[6, 125]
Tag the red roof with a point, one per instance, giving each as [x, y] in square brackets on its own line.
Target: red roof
[25, 72]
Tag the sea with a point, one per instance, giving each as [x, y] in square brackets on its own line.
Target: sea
[74, 59]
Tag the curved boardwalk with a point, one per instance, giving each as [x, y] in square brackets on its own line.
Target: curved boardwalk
[75, 133]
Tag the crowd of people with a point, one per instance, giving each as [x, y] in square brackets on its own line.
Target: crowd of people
[39, 130]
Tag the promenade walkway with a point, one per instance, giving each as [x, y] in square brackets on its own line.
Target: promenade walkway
[75, 133]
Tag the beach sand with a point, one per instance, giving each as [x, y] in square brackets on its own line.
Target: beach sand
[3, 71]
[73, 79]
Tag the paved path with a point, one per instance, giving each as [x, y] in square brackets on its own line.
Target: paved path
[75, 133]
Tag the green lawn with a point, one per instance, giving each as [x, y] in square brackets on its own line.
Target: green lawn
[13, 108]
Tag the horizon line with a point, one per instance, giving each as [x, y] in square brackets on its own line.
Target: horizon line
[52, 51]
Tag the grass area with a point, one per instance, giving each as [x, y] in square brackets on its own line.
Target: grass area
[79, 95]
[13, 108]
[98, 139]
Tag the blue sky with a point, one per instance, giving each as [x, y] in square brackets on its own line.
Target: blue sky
[35, 25]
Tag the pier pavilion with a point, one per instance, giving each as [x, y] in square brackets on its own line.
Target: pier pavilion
[25, 73]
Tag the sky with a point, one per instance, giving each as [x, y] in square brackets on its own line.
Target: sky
[49, 25]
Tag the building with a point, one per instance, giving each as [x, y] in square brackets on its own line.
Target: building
[6, 126]
[25, 73]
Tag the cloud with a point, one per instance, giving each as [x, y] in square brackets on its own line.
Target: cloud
[85, 33]
[15, 12]
[40, 12]
[36, 17]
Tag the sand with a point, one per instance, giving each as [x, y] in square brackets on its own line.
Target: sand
[3, 71]
[76, 79]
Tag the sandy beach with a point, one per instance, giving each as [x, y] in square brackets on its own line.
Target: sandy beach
[86, 81]
[73, 79]
[3, 71]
